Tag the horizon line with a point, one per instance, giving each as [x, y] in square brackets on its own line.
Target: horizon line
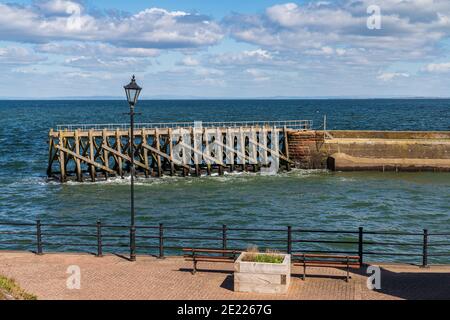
[113, 98]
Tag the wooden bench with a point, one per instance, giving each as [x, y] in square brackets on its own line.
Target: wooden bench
[209, 255]
[325, 260]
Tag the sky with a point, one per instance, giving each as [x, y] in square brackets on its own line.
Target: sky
[225, 49]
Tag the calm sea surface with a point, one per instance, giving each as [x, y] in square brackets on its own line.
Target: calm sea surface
[305, 199]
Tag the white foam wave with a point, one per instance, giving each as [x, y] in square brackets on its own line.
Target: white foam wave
[141, 181]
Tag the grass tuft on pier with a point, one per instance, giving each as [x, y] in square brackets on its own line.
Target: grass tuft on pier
[9, 290]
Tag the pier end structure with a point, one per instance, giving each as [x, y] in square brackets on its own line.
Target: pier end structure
[91, 152]
[358, 150]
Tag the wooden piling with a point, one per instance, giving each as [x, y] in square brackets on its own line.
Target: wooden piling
[242, 149]
[62, 158]
[286, 148]
[158, 147]
[145, 152]
[105, 152]
[172, 166]
[91, 155]
[51, 155]
[77, 160]
[209, 151]
[119, 149]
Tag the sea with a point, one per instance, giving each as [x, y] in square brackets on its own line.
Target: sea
[304, 199]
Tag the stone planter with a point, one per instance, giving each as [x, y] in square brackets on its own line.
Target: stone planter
[258, 277]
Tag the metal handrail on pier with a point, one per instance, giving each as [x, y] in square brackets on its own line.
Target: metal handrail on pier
[289, 124]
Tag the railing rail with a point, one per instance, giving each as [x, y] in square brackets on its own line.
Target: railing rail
[98, 236]
[289, 124]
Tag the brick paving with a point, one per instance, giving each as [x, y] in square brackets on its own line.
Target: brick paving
[113, 277]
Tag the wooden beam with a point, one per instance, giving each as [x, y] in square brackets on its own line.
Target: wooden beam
[172, 167]
[87, 160]
[230, 148]
[77, 160]
[271, 151]
[145, 152]
[242, 145]
[158, 147]
[206, 150]
[66, 156]
[286, 148]
[126, 157]
[204, 155]
[119, 149]
[51, 156]
[162, 154]
[91, 155]
[219, 149]
[61, 157]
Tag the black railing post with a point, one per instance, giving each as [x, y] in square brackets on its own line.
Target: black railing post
[99, 239]
[360, 245]
[161, 241]
[224, 237]
[38, 237]
[289, 239]
[133, 243]
[425, 249]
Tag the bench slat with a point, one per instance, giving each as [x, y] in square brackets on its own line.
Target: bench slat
[198, 257]
[210, 250]
[307, 255]
[325, 261]
[355, 266]
[210, 260]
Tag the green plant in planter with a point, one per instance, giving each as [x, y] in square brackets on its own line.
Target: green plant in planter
[271, 256]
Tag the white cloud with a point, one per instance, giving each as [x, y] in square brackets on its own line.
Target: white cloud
[61, 7]
[258, 75]
[189, 62]
[326, 51]
[389, 76]
[208, 72]
[411, 29]
[438, 67]
[67, 20]
[258, 54]
[112, 64]
[246, 57]
[96, 49]
[312, 48]
[14, 55]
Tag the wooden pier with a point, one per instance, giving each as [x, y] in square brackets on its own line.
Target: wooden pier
[92, 152]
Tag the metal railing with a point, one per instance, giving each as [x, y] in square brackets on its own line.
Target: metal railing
[158, 240]
[289, 124]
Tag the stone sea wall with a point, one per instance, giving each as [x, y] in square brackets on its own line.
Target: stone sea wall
[371, 150]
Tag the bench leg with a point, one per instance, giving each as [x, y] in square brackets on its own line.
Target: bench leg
[304, 272]
[348, 275]
[194, 270]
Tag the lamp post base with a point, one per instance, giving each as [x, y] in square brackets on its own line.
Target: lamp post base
[133, 243]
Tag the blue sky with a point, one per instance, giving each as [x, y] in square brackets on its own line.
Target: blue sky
[247, 48]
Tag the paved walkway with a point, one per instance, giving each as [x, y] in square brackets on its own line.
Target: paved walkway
[113, 277]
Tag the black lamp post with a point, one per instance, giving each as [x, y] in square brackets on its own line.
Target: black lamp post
[132, 90]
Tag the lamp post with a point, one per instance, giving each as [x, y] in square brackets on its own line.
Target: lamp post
[132, 91]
